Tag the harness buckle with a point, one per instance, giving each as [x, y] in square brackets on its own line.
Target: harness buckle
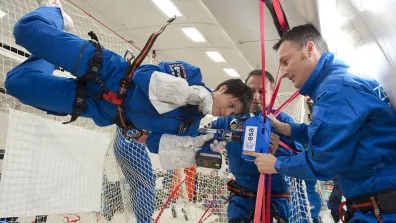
[113, 98]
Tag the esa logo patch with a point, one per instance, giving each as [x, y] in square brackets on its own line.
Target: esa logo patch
[177, 70]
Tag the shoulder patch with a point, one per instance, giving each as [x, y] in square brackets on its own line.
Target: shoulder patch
[184, 126]
[234, 124]
[178, 70]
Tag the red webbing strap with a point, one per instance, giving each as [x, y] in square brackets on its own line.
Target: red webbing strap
[261, 207]
[286, 103]
[261, 2]
[218, 208]
[168, 200]
[279, 14]
[341, 211]
[277, 112]
[288, 147]
[275, 93]
[267, 209]
[211, 204]
[259, 200]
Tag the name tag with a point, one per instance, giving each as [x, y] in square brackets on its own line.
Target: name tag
[250, 138]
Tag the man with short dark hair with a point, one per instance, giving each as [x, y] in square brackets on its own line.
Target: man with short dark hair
[352, 133]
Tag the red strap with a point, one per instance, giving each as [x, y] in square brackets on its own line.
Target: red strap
[275, 93]
[168, 200]
[113, 98]
[340, 211]
[259, 199]
[261, 195]
[261, 2]
[279, 14]
[268, 201]
[211, 204]
[288, 147]
[286, 103]
[277, 112]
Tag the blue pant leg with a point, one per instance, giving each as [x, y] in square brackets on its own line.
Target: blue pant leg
[282, 206]
[40, 32]
[240, 208]
[335, 199]
[314, 199]
[137, 168]
[370, 218]
[33, 84]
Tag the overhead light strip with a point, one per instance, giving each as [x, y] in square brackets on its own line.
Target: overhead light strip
[168, 7]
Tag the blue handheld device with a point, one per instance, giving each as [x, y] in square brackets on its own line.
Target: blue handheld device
[256, 136]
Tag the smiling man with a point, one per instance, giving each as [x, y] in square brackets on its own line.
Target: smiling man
[352, 133]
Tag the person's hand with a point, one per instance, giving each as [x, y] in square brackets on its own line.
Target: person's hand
[200, 140]
[179, 151]
[199, 95]
[275, 122]
[265, 162]
[216, 146]
[274, 143]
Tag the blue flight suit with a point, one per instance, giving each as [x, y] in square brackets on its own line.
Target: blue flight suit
[352, 134]
[247, 175]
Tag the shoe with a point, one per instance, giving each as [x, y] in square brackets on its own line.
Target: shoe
[67, 20]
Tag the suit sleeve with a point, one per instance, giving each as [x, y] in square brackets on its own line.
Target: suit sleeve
[166, 85]
[333, 135]
[299, 132]
[283, 117]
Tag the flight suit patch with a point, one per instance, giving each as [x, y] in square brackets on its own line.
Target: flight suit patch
[178, 70]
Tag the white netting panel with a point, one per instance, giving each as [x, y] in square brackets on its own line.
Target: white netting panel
[299, 204]
[150, 187]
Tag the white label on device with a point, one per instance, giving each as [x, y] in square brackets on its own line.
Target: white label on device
[249, 142]
[211, 131]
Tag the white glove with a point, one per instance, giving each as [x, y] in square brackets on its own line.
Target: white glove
[216, 146]
[200, 95]
[179, 151]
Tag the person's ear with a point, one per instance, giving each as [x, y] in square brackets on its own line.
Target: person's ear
[311, 48]
[223, 89]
